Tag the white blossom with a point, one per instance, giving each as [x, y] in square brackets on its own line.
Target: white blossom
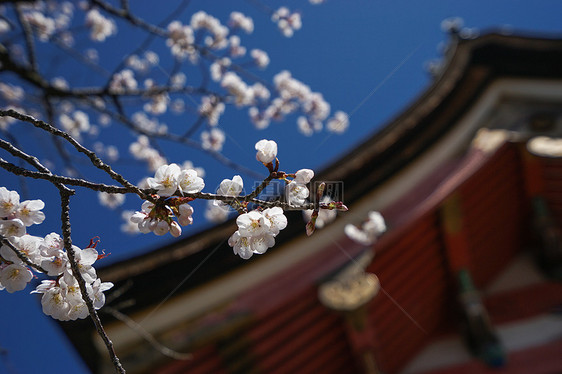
[12, 227]
[158, 104]
[30, 213]
[369, 231]
[256, 231]
[296, 193]
[239, 20]
[277, 219]
[123, 81]
[215, 213]
[202, 20]
[14, 277]
[219, 67]
[212, 140]
[42, 25]
[128, 226]
[26, 244]
[165, 180]
[236, 49]
[9, 202]
[111, 200]
[304, 176]
[211, 108]
[267, 151]
[11, 93]
[185, 212]
[75, 125]
[236, 87]
[181, 41]
[287, 22]
[338, 123]
[261, 58]
[231, 187]
[100, 26]
[189, 182]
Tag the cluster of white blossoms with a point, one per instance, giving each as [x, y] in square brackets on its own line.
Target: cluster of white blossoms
[256, 231]
[213, 140]
[287, 22]
[175, 188]
[145, 63]
[181, 41]
[292, 96]
[100, 26]
[370, 230]
[239, 20]
[123, 81]
[76, 123]
[296, 192]
[61, 298]
[211, 108]
[142, 150]
[159, 217]
[16, 216]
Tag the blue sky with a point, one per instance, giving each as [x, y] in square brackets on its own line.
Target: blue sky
[366, 57]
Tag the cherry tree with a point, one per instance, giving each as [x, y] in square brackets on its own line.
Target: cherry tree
[75, 75]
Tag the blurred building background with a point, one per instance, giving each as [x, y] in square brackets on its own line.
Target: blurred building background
[465, 280]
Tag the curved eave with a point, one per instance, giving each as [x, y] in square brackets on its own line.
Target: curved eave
[471, 68]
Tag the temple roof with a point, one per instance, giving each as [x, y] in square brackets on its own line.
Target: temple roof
[430, 154]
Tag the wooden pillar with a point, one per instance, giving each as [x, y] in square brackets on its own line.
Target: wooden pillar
[477, 328]
[350, 294]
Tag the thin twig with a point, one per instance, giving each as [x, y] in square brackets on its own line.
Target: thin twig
[28, 36]
[96, 161]
[146, 335]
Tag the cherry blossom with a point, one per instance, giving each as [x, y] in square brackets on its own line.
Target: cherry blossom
[75, 124]
[165, 180]
[212, 140]
[111, 200]
[304, 176]
[267, 151]
[100, 26]
[231, 187]
[256, 231]
[30, 213]
[277, 219]
[123, 81]
[211, 108]
[287, 22]
[185, 212]
[339, 123]
[239, 20]
[189, 182]
[180, 40]
[261, 58]
[12, 227]
[14, 277]
[370, 230]
[9, 202]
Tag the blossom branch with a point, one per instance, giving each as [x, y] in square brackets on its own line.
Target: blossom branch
[21, 255]
[96, 161]
[65, 194]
